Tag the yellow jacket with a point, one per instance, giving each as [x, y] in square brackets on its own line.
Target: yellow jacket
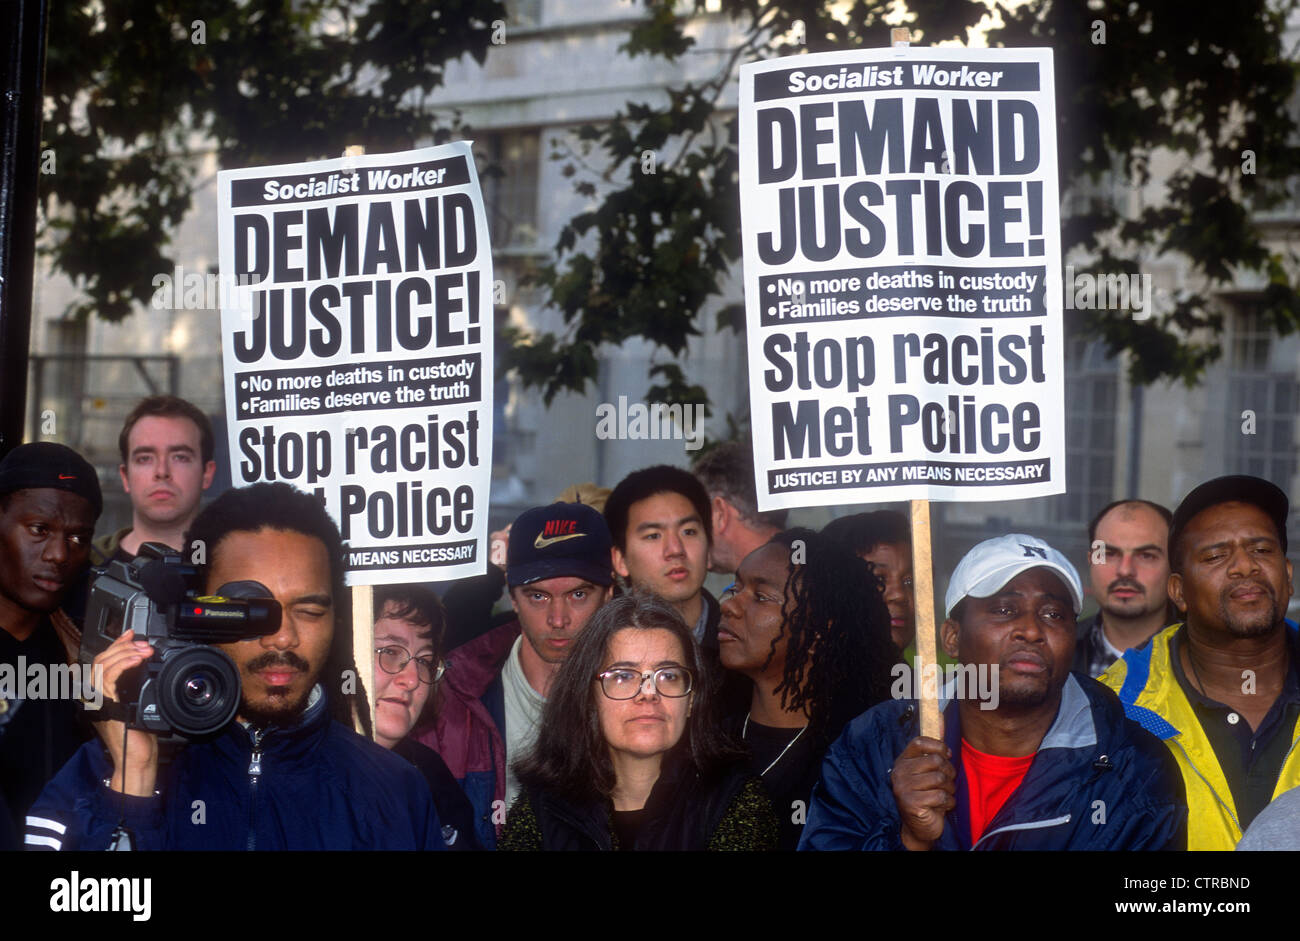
[1145, 682]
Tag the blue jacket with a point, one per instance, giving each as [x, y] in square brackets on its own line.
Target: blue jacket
[315, 785]
[1097, 782]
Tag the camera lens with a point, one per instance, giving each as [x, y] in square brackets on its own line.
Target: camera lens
[198, 690]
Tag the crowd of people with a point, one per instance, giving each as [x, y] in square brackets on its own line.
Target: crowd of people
[616, 704]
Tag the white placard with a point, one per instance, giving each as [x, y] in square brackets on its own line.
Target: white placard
[359, 365]
[902, 269]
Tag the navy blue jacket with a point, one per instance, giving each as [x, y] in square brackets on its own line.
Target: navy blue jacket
[315, 785]
[1097, 782]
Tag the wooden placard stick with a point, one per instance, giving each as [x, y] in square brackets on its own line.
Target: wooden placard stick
[363, 601]
[926, 642]
[927, 652]
[363, 650]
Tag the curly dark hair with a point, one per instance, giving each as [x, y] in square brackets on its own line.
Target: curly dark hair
[571, 757]
[285, 508]
[838, 656]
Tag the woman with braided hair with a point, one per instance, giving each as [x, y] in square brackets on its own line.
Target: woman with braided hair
[806, 623]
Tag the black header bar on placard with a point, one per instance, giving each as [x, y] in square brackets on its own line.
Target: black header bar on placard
[358, 181]
[892, 474]
[412, 557]
[884, 78]
[800, 297]
[327, 390]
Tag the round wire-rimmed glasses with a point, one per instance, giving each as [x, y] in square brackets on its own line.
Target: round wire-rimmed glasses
[393, 659]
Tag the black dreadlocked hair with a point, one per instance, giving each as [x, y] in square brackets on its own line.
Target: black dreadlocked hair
[838, 655]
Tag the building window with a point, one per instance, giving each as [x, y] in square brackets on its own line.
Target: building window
[524, 12]
[1091, 393]
[508, 167]
[1261, 403]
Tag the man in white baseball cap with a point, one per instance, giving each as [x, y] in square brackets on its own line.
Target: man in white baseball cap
[1053, 764]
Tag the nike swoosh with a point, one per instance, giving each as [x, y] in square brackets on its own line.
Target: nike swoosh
[540, 543]
[67, 477]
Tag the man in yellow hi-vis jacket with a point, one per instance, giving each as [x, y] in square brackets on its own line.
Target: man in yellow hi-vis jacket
[1221, 688]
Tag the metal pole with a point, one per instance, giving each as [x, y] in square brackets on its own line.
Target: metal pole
[23, 25]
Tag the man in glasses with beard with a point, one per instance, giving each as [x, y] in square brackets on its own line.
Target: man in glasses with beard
[1221, 687]
[285, 773]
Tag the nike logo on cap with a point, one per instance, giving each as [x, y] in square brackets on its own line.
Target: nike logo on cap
[541, 542]
[67, 477]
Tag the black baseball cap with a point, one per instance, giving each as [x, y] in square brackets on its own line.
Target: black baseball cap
[1237, 488]
[44, 464]
[563, 539]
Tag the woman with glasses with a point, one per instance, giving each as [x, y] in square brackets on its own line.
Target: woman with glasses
[805, 622]
[627, 757]
[409, 625]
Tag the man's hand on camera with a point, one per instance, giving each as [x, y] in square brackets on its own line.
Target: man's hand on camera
[138, 773]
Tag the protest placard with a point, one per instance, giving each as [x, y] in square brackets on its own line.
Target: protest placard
[902, 276]
[357, 350]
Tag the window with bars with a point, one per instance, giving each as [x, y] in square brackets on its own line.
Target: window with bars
[1091, 402]
[1261, 403]
[508, 167]
[524, 12]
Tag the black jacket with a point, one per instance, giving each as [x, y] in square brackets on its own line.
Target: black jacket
[37, 735]
[682, 813]
[455, 812]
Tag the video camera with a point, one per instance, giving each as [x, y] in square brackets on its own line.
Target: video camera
[188, 688]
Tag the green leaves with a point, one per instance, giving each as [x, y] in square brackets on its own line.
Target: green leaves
[130, 96]
[1164, 98]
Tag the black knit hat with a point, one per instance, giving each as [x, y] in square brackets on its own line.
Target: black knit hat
[44, 464]
[1235, 489]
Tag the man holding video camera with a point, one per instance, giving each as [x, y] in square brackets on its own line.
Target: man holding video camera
[283, 774]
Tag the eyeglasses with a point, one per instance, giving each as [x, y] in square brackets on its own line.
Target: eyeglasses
[394, 660]
[673, 682]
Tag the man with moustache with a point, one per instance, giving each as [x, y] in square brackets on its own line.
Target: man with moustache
[283, 774]
[491, 697]
[1220, 687]
[1050, 763]
[1129, 572]
[49, 501]
[167, 446]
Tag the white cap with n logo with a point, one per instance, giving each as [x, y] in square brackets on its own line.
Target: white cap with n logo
[984, 570]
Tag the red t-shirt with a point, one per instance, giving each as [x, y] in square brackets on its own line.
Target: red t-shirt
[990, 780]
